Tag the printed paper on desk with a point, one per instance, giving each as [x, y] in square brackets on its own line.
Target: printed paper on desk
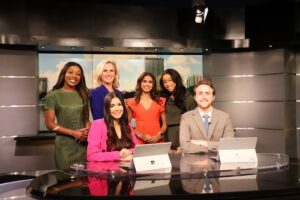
[152, 158]
[235, 150]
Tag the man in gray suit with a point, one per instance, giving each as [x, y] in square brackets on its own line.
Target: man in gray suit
[202, 128]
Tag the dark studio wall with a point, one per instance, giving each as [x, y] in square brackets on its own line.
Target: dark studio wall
[154, 23]
[112, 23]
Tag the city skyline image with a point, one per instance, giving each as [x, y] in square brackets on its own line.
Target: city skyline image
[130, 66]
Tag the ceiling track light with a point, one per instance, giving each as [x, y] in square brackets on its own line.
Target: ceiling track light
[201, 11]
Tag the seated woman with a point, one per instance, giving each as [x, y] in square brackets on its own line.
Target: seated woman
[148, 109]
[111, 138]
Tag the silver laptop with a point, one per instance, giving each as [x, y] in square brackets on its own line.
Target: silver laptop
[237, 143]
[238, 149]
[148, 157]
[151, 149]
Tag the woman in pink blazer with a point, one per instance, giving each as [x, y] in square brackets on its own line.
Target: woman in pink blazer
[111, 138]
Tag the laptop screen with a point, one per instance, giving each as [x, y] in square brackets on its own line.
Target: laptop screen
[238, 143]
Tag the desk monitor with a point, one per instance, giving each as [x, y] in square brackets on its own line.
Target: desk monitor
[238, 149]
[149, 157]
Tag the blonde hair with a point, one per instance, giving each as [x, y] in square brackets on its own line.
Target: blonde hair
[99, 71]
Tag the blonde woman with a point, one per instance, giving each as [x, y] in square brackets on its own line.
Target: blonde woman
[106, 80]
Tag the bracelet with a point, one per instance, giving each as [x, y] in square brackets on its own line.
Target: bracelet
[55, 128]
[161, 134]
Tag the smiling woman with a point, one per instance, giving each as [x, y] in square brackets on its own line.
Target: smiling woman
[111, 138]
[66, 113]
[178, 102]
[124, 68]
[107, 80]
[148, 109]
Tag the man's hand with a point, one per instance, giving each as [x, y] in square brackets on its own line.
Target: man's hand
[200, 142]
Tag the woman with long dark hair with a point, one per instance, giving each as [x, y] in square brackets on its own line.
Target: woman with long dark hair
[67, 114]
[148, 110]
[178, 102]
[111, 138]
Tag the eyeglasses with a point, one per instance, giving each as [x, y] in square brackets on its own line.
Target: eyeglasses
[204, 93]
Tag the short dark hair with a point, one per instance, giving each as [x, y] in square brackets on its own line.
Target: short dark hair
[205, 82]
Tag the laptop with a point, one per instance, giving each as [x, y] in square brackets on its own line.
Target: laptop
[142, 150]
[152, 158]
[237, 150]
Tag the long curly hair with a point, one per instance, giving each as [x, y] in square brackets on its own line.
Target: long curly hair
[179, 91]
[81, 87]
[138, 89]
[113, 143]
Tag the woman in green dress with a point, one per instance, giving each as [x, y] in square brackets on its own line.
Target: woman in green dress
[67, 114]
[178, 102]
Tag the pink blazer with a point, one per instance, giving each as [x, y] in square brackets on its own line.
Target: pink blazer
[97, 147]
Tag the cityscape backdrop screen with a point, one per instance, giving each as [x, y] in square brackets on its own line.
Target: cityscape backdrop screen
[130, 68]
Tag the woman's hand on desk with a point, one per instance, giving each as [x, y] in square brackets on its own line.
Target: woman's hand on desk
[124, 153]
[127, 158]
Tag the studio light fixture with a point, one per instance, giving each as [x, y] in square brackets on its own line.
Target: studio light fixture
[201, 11]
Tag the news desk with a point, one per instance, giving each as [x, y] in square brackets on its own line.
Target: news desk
[193, 176]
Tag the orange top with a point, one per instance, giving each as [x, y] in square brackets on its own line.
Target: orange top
[147, 121]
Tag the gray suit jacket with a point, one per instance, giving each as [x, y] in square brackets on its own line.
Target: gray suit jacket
[192, 128]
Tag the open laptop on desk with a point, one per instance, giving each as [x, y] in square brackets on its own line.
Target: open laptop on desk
[151, 158]
[237, 150]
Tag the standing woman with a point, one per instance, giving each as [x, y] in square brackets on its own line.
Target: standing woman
[178, 102]
[148, 109]
[68, 103]
[111, 138]
[106, 80]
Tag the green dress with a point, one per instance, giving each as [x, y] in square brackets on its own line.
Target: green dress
[68, 107]
[173, 115]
